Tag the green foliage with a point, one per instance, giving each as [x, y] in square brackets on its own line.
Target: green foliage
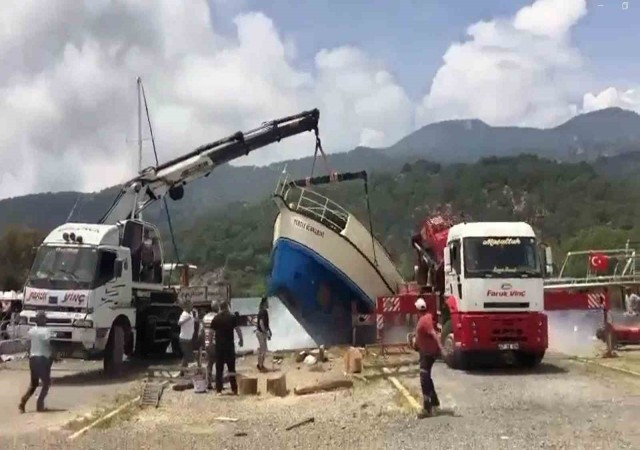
[570, 205]
[16, 256]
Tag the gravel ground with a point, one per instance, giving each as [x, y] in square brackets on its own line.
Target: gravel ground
[564, 404]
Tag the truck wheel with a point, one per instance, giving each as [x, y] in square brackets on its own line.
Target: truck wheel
[530, 360]
[450, 355]
[114, 353]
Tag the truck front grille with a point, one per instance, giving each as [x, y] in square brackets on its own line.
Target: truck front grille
[505, 305]
[53, 321]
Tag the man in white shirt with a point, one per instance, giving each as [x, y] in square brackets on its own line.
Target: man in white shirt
[187, 327]
[40, 360]
[632, 302]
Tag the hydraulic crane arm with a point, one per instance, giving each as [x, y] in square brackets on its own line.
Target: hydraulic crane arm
[155, 182]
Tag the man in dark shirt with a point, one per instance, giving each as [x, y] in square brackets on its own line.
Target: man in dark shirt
[429, 346]
[223, 324]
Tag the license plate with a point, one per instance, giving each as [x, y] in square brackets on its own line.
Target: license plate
[509, 346]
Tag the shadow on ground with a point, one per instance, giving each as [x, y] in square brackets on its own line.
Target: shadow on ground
[544, 368]
[132, 370]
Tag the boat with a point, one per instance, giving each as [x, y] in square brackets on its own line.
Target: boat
[326, 265]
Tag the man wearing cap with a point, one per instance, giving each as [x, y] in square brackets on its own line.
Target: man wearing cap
[429, 346]
[40, 360]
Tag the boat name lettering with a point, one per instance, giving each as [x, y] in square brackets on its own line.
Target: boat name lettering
[308, 227]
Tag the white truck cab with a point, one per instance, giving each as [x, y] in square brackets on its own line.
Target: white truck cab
[494, 266]
[91, 279]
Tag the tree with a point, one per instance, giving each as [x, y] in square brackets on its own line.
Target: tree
[16, 256]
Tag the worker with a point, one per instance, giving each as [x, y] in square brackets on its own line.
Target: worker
[211, 347]
[187, 328]
[146, 258]
[223, 324]
[429, 346]
[263, 332]
[632, 301]
[157, 260]
[40, 361]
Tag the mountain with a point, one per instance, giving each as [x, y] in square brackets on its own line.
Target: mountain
[586, 137]
[594, 136]
[228, 184]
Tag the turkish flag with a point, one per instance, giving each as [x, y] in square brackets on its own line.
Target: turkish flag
[599, 262]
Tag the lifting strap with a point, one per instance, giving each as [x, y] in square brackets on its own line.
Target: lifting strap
[324, 156]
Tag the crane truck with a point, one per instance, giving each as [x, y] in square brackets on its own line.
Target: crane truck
[486, 280]
[101, 284]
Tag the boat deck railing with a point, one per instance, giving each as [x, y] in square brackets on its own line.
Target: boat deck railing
[312, 204]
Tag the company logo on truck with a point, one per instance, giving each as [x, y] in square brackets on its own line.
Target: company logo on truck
[492, 242]
[506, 291]
[75, 298]
[69, 298]
[37, 297]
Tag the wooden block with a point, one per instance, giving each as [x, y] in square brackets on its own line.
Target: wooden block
[353, 361]
[324, 386]
[247, 385]
[277, 386]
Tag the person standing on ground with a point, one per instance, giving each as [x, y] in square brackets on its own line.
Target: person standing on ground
[263, 333]
[187, 327]
[632, 301]
[224, 324]
[429, 346]
[211, 346]
[40, 360]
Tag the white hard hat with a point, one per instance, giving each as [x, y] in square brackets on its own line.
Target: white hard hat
[421, 305]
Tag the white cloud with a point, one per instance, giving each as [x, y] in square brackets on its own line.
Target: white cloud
[612, 97]
[68, 98]
[516, 71]
[68, 85]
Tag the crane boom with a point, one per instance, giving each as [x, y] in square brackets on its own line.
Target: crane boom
[170, 177]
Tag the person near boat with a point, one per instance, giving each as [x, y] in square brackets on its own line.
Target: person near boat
[263, 332]
[224, 324]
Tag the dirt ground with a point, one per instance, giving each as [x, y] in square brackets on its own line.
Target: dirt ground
[77, 389]
[563, 404]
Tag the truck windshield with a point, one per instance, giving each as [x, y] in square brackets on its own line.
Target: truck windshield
[501, 257]
[64, 268]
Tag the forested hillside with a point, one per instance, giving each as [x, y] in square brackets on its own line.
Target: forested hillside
[571, 205]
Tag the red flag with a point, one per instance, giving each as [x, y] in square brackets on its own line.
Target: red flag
[599, 262]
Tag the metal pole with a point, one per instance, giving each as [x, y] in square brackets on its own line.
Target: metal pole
[139, 82]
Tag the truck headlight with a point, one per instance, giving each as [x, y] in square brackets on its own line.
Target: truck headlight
[82, 323]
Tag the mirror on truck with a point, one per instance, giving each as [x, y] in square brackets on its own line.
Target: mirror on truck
[117, 267]
[548, 257]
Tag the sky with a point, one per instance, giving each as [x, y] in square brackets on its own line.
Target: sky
[376, 69]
